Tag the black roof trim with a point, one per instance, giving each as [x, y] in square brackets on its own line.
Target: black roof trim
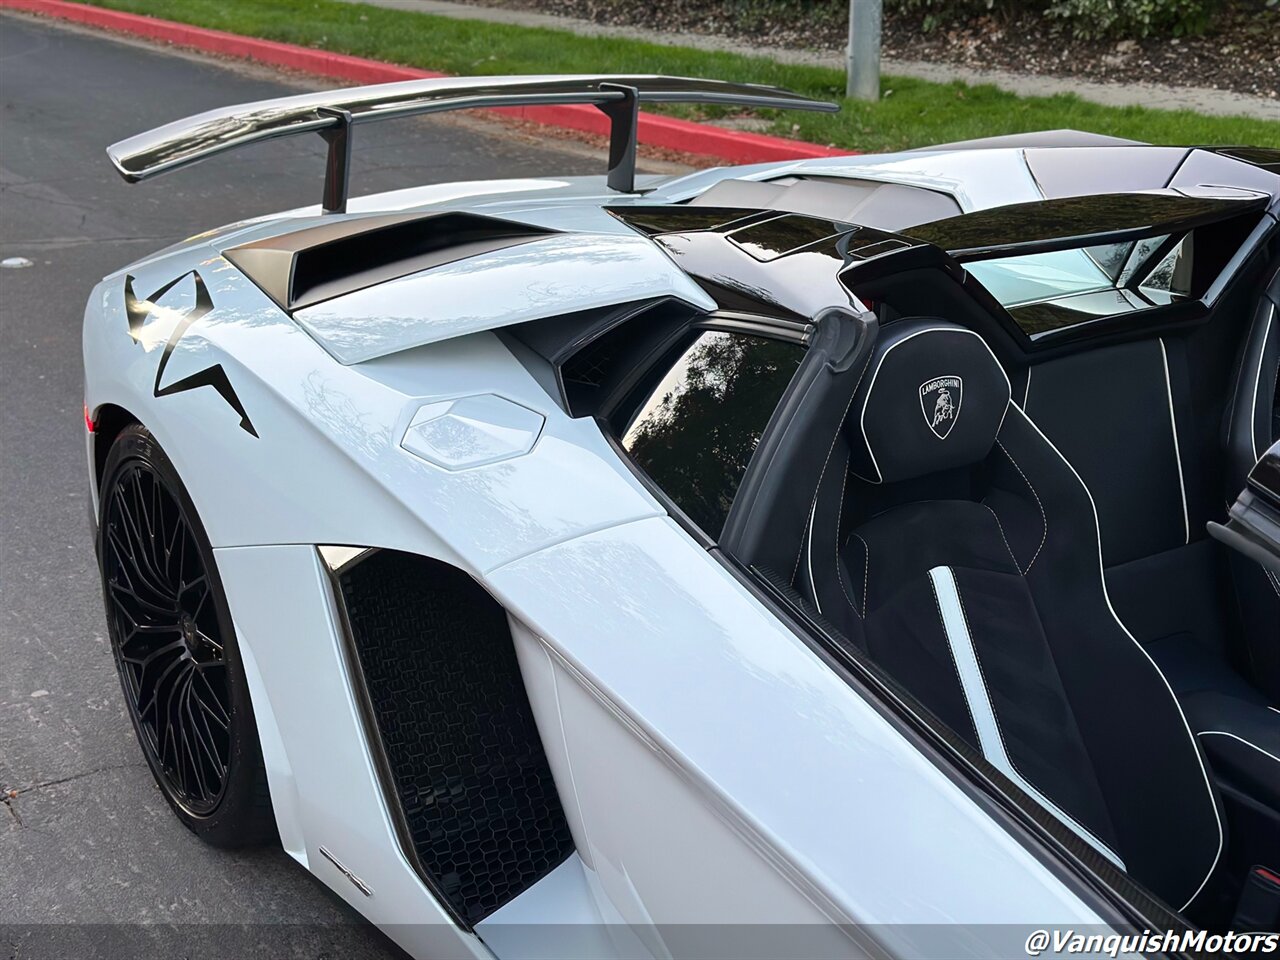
[1067, 223]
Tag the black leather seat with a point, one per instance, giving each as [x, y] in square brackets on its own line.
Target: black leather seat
[1253, 425]
[1237, 718]
[958, 549]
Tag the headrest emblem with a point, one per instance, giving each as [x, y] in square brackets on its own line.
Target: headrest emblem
[940, 400]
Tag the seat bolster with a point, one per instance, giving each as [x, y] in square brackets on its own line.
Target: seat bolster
[1242, 740]
[1251, 426]
[1258, 596]
[1130, 721]
[835, 596]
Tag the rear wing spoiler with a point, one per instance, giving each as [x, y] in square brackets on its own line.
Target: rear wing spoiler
[333, 113]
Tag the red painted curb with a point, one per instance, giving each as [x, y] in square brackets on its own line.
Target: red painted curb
[734, 146]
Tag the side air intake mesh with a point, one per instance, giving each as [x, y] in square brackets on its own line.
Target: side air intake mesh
[460, 749]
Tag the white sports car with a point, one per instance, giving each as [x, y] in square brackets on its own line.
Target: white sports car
[819, 558]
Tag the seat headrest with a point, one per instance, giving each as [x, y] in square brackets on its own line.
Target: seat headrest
[933, 398]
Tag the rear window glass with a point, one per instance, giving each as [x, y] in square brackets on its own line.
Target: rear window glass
[695, 432]
[1045, 292]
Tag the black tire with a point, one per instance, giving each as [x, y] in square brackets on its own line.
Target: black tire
[175, 648]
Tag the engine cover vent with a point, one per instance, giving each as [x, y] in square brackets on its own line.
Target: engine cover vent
[306, 267]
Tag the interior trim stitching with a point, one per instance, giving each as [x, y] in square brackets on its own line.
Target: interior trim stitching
[1102, 579]
[1044, 517]
[840, 575]
[1008, 766]
[1177, 450]
[1257, 384]
[839, 566]
[1000, 527]
[806, 543]
[1000, 732]
[1224, 733]
[866, 574]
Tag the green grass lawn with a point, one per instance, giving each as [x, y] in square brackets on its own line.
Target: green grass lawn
[912, 112]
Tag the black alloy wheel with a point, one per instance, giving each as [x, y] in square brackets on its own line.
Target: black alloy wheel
[175, 648]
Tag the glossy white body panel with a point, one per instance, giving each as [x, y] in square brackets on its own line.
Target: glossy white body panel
[321, 761]
[329, 436]
[714, 769]
[641, 626]
[975, 178]
[472, 431]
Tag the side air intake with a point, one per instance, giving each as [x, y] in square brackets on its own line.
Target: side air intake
[447, 712]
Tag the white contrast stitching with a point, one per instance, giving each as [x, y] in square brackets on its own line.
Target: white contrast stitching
[1273, 580]
[1000, 527]
[1044, 517]
[1102, 579]
[1224, 733]
[839, 574]
[845, 590]
[1177, 449]
[1000, 730]
[1257, 384]
[813, 508]
[803, 540]
[866, 574]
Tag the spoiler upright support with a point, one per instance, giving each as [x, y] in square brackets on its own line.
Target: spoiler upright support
[624, 119]
[337, 164]
[333, 114]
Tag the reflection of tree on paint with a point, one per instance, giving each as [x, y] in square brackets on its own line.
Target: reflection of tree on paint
[699, 428]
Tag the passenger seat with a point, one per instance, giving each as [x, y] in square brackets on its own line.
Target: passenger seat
[953, 544]
[1254, 425]
[1237, 719]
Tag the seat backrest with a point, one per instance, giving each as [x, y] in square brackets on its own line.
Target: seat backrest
[1252, 426]
[1254, 420]
[960, 550]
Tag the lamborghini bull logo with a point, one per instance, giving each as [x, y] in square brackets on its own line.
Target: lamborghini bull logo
[940, 400]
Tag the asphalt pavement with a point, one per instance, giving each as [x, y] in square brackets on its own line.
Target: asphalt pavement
[89, 851]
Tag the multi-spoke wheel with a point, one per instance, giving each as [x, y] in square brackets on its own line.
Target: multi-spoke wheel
[175, 648]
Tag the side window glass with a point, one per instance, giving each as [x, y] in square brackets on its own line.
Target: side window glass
[695, 432]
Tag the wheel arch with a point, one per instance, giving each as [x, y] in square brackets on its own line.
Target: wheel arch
[109, 421]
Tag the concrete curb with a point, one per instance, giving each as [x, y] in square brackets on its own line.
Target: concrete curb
[731, 146]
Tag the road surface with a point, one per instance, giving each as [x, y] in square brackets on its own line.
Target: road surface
[88, 849]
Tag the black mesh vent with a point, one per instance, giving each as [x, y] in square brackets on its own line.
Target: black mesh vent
[467, 767]
[590, 364]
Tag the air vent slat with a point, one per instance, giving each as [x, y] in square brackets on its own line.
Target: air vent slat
[307, 267]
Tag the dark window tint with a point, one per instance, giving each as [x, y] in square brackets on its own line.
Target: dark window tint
[695, 432]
